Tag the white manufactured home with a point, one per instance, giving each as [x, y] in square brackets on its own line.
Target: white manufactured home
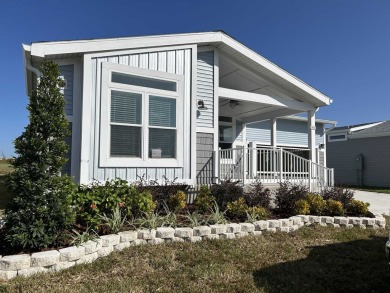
[199, 107]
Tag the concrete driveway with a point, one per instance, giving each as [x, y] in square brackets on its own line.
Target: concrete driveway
[379, 202]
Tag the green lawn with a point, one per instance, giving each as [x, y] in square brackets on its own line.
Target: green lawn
[5, 195]
[313, 259]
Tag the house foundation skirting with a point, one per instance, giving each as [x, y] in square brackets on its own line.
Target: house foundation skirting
[57, 260]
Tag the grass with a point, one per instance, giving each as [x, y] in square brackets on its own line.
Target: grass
[372, 189]
[5, 195]
[313, 259]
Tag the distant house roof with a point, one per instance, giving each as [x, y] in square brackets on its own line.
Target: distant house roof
[373, 129]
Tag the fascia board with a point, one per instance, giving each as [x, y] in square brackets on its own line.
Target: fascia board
[368, 135]
[86, 46]
[320, 121]
[365, 126]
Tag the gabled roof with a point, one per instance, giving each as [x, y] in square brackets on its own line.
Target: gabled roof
[353, 126]
[219, 39]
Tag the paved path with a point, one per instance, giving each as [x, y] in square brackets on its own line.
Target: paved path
[379, 202]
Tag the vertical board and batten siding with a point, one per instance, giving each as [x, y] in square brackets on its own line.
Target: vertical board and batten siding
[341, 155]
[67, 71]
[205, 88]
[289, 132]
[204, 158]
[171, 61]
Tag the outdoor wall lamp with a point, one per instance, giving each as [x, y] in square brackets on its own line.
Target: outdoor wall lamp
[201, 105]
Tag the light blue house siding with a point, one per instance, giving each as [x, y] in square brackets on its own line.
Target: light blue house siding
[205, 88]
[171, 61]
[289, 132]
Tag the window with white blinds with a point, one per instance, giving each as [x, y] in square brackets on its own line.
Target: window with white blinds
[162, 127]
[141, 117]
[126, 124]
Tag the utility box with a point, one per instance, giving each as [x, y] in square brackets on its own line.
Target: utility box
[359, 162]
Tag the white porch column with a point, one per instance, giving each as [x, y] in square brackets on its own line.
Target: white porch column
[273, 133]
[311, 129]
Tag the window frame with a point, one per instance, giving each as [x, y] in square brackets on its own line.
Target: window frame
[107, 86]
[337, 139]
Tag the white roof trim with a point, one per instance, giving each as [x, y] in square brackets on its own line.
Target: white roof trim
[365, 126]
[322, 121]
[87, 46]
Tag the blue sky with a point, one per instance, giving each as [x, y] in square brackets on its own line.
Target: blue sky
[342, 48]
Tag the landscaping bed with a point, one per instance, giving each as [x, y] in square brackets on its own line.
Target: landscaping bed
[312, 259]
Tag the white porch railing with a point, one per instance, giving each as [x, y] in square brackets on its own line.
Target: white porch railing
[270, 166]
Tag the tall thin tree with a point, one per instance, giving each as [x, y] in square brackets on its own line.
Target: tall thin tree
[40, 210]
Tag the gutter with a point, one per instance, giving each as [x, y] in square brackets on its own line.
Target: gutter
[28, 66]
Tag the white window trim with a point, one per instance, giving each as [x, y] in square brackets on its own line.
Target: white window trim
[337, 139]
[105, 160]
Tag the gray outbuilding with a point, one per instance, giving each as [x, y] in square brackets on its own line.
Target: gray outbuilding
[360, 154]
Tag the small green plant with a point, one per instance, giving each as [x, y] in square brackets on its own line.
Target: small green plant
[178, 201]
[216, 215]
[143, 203]
[115, 221]
[237, 209]
[302, 207]
[150, 220]
[334, 208]
[80, 238]
[256, 213]
[204, 200]
[170, 218]
[316, 203]
[357, 208]
[194, 219]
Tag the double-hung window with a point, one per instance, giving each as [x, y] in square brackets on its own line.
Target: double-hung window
[141, 117]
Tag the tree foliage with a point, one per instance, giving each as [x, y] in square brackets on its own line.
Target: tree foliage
[40, 210]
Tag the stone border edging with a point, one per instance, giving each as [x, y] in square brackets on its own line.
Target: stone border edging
[57, 260]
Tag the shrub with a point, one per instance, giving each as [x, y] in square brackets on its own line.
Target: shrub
[178, 201]
[237, 209]
[302, 207]
[357, 208]
[256, 213]
[257, 195]
[344, 195]
[226, 191]
[40, 211]
[204, 200]
[94, 200]
[333, 208]
[316, 203]
[287, 195]
[161, 192]
[142, 202]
